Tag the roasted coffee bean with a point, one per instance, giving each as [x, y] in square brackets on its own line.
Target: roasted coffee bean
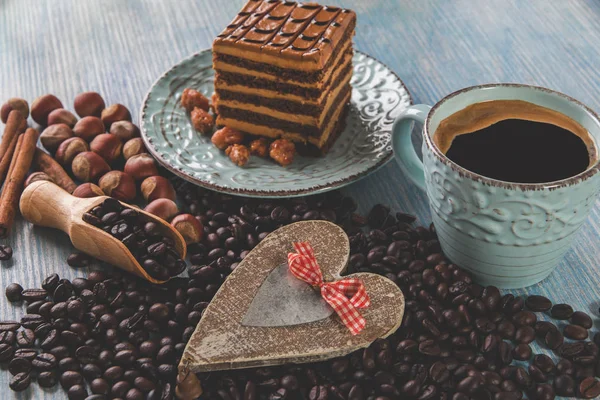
[14, 292]
[561, 311]
[68, 364]
[523, 318]
[31, 321]
[564, 385]
[570, 350]
[575, 332]
[28, 354]
[34, 294]
[44, 362]
[6, 352]
[522, 352]
[77, 392]
[7, 337]
[6, 252]
[9, 326]
[538, 303]
[70, 378]
[20, 381]
[18, 365]
[553, 339]
[25, 338]
[525, 334]
[589, 388]
[544, 363]
[582, 319]
[543, 391]
[47, 379]
[51, 339]
[100, 386]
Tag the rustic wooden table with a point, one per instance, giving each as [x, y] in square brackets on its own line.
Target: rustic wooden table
[119, 48]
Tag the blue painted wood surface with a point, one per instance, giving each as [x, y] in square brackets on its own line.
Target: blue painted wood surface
[119, 48]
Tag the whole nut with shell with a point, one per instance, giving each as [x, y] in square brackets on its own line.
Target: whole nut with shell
[124, 130]
[89, 104]
[62, 116]
[189, 227]
[115, 113]
[141, 166]
[88, 128]
[107, 146]
[37, 176]
[119, 185]
[89, 166]
[68, 149]
[157, 187]
[54, 135]
[162, 208]
[14, 103]
[132, 147]
[87, 190]
[43, 106]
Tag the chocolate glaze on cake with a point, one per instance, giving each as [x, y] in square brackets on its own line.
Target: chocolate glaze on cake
[283, 70]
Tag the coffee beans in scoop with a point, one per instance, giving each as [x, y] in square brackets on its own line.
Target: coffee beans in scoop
[143, 237]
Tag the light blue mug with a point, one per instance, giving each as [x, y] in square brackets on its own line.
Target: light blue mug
[509, 235]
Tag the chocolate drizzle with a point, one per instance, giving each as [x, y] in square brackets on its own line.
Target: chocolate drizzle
[284, 28]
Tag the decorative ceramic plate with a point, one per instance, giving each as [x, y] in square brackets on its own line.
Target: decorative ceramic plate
[378, 97]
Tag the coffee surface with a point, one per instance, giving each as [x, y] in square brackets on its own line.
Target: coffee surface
[516, 141]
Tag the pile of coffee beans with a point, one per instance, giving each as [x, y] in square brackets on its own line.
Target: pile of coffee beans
[117, 336]
[155, 252]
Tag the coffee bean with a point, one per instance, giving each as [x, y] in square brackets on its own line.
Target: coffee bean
[589, 388]
[575, 332]
[100, 386]
[18, 365]
[20, 382]
[553, 339]
[582, 319]
[7, 337]
[14, 292]
[70, 378]
[9, 326]
[544, 363]
[77, 392]
[44, 362]
[91, 371]
[538, 303]
[522, 352]
[6, 352]
[25, 338]
[47, 379]
[525, 334]
[31, 295]
[134, 394]
[523, 318]
[561, 311]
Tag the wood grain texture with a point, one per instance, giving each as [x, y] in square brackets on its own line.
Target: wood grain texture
[119, 48]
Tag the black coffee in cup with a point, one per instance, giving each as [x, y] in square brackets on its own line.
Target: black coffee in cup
[516, 141]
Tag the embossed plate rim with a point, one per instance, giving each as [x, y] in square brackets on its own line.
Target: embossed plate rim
[284, 193]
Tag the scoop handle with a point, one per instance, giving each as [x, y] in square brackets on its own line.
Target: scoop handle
[47, 204]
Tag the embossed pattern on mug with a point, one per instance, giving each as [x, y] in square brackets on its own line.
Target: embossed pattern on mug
[378, 97]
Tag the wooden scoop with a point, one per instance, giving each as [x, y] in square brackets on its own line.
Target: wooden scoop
[46, 204]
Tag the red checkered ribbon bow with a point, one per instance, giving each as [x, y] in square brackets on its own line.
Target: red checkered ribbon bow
[345, 296]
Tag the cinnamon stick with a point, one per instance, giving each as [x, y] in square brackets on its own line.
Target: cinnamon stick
[43, 162]
[5, 161]
[11, 131]
[17, 172]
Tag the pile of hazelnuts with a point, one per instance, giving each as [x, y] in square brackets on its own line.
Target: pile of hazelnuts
[103, 150]
[236, 144]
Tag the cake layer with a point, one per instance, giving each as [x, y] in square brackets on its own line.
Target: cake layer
[266, 125]
[284, 109]
[286, 34]
[276, 90]
[239, 65]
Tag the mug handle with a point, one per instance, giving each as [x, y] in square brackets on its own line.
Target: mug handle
[404, 151]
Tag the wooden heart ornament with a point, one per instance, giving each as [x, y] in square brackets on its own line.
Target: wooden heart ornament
[263, 316]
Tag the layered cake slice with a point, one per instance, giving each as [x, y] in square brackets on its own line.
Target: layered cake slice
[283, 70]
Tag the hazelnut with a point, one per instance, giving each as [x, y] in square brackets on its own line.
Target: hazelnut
[202, 120]
[37, 176]
[191, 99]
[226, 136]
[43, 106]
[239, 154]
[62, 116]
[87, 190]
[89, 104]
[141, 166]
[282, 151]
[124, 130]
[115, 113]
[88, 128]
[132, 147]
[162, 208]
[259, 147]
[107, 146]
[89, 166]
[14, 104]
[119, 185]
[157, 187]
[189, 227]
[54, 135]
[69, 149]
[214, 102]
